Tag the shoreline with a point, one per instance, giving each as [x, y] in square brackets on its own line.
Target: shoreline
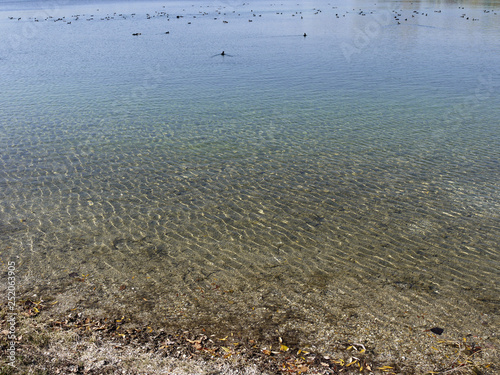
[77, 342]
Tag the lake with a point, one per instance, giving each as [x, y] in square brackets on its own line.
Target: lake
[342, 185]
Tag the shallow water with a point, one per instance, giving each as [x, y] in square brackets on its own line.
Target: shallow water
[297, 184]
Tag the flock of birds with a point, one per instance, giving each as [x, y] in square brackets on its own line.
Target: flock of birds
[219, 12]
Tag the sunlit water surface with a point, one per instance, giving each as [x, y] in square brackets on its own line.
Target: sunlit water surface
[309, 185]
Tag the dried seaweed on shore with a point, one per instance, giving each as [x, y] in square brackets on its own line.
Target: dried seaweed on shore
[82, 344]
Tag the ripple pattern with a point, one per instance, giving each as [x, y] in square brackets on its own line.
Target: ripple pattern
[243, 215]
[316, 205]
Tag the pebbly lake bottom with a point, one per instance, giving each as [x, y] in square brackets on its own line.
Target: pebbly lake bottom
[320, 305]
[321, 253]
[310, 210]
[79, 330]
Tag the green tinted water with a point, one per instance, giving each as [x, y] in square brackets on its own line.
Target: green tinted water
[309, 185]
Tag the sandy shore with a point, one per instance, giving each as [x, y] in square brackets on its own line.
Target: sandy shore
[74, 342]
